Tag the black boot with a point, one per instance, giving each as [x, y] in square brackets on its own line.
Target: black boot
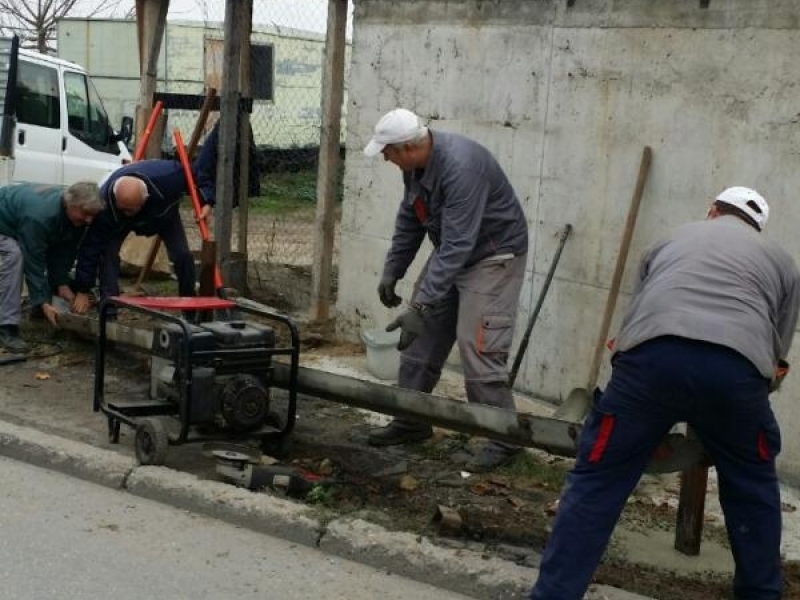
[10, 340]
[400, 432]
[492, 456]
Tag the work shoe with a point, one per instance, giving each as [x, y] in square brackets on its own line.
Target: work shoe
[394, 434]
[492, 456]
[10, 340]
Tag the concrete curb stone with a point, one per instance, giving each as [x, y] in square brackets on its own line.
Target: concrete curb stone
[66, 456]
[409, 555]
[259, 512]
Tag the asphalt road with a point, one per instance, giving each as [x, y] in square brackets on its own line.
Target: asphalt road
[62, 537]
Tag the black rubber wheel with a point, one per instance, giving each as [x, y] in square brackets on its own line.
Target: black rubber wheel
[152, 442]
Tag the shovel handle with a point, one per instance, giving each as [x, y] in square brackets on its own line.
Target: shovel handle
[523, 345]
[619, 269]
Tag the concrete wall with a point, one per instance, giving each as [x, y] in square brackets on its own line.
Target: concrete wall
[108, 50]
[566, 98]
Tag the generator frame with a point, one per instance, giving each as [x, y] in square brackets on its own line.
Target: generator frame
[148, 416]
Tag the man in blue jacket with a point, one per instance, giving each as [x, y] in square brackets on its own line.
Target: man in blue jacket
[458, 195]
[40, 229]
[144, 198]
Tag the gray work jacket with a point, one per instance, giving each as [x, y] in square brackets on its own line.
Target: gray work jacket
[465, 204]
[718, 281]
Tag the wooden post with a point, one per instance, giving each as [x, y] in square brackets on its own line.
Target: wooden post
[691, 507]
[329, 160]
[200, 124]
[208, 251]
[151, 21]
[246, 86]
[229, 110]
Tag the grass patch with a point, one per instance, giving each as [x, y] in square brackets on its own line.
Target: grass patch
[283, 193]
[287, 192]
[525, 465]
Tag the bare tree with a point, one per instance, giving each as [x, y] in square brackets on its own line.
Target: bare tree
[34, 21]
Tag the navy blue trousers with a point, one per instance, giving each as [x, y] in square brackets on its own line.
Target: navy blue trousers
[653, 386]
[173, 235]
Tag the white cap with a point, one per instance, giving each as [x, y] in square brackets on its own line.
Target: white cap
[396, 126]
[750, 202]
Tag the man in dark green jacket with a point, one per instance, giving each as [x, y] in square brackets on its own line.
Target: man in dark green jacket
[40, 229]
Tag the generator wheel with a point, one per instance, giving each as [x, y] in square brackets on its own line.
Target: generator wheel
[152, 442]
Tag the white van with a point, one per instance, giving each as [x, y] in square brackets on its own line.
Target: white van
[54, 128]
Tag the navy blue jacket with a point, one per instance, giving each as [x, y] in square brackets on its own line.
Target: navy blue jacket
[166, 187]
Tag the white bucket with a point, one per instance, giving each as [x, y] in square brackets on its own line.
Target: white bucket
[383, 357]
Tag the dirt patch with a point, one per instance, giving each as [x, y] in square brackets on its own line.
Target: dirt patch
[507, 513]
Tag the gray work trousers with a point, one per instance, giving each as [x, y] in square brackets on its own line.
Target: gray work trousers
[11, 263]
[478, 313]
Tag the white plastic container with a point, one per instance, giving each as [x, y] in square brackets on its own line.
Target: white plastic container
[383, 357]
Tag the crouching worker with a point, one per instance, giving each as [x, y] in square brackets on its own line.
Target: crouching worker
[41, 227]
[144, 198]
[704, 340]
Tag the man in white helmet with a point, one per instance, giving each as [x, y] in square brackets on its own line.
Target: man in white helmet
[457, 195]
[706, 334]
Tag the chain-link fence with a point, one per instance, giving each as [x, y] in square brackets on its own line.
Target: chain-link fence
[285, 82]
[286, 64]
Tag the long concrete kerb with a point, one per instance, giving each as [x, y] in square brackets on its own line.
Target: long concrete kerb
[464, 571]
[67, 456]
[259, 512]
[467, 572]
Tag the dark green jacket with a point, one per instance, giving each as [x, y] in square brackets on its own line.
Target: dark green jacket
[34, 215]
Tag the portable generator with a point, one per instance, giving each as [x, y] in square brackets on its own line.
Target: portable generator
[208, 381]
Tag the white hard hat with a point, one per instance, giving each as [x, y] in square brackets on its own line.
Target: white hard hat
[750, 202]
[396, 126]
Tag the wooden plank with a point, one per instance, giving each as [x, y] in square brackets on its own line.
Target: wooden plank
[151, 20]
[329, 160]
[691, 507]
[246, 87]
[208, 263]
[229, 108]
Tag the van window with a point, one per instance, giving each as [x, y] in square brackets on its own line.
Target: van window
[86, 117]
[37, 95]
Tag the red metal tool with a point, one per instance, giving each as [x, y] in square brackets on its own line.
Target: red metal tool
[187, 171]
[148, 130]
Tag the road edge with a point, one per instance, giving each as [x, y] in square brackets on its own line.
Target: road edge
[416, 557]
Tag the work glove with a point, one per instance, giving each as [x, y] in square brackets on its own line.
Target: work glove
[386, 292]
[781, 372]
[411, 323]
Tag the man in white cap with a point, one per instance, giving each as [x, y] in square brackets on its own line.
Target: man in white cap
[704, 341]
[457, 194]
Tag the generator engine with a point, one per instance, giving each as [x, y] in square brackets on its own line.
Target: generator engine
[220, 376]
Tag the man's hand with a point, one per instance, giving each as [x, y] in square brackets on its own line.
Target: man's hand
[51, 313]
[80, 303]
[65, 293]
[386, 292]
[781, 371]
[204, 212]
[412, 324]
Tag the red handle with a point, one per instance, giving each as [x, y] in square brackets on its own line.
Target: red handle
[151, 123]
[187, 171]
